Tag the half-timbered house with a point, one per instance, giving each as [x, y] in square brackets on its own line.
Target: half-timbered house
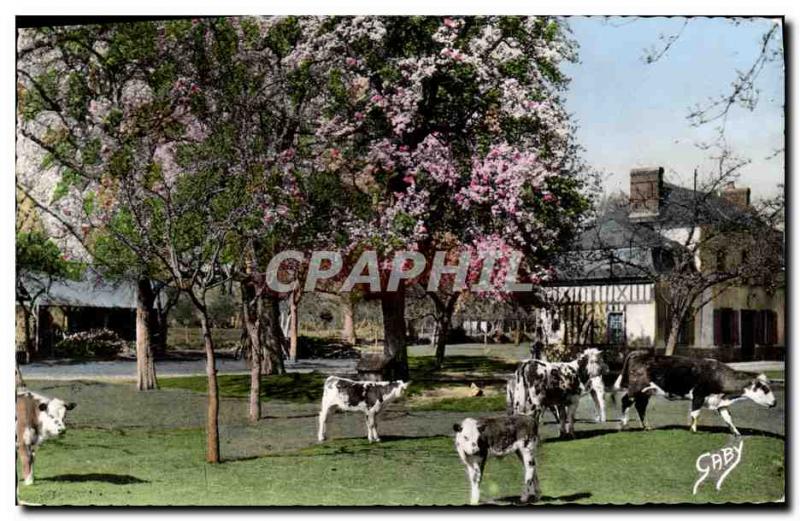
[605, 294]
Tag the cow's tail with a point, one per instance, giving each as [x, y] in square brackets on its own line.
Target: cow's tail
[622, 379]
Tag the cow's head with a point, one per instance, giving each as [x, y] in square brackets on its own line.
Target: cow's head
[399, 388]
[467, 434]
[590, 364]
[51, 416]
[758, 390]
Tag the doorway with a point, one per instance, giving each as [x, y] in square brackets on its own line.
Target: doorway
[748, 334]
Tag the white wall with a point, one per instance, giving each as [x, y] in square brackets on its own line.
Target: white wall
[640, 323]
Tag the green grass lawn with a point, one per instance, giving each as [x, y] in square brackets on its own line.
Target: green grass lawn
[307, 387]
[141, 467]
[292, 387]
[775, 375]
[125, 447]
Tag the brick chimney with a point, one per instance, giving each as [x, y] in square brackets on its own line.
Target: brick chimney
[738, 196]
[647, 186]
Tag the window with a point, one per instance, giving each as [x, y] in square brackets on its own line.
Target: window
[766, 327]
[726, 327]
[616, 328]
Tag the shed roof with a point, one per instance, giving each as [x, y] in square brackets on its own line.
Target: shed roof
[92, 291]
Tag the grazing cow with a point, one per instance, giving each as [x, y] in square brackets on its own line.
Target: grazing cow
[476, 440]
[349, 395]
[537, 385]
[38, 418]
[707, 383]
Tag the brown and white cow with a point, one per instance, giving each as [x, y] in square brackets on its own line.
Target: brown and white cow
[38, 419]
[706, 382]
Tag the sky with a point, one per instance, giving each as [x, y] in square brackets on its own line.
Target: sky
[631, 114]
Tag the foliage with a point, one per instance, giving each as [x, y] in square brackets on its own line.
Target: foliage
[37, 253]
[100, 344]
[451, 131]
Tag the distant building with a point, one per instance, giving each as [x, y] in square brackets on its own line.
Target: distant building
[606, 301]
[61, 306]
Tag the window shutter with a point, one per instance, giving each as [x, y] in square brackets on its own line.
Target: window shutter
[772, 332]
[717, 327]
[758, 328]
[735, 327]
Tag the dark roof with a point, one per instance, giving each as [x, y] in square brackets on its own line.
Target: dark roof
[679, 204]
[617, 247]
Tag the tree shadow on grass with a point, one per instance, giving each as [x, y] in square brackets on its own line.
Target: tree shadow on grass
[579, 435]
[723, 430]
[514, 500]
[113, 479]
[591, 433]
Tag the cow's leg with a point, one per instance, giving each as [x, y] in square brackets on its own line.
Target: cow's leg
[323, 420]
[641, 401]
[474, 473]
[726, 416]
[557, 416]
[597, 391]
[627, 401]
[26, 456]
[562, 420]
[530, 490]
[694, 412]
[372, 431]
[31, 458]
[570, 411]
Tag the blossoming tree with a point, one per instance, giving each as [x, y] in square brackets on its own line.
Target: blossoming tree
[449, 129]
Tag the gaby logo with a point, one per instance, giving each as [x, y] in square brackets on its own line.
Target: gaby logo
[718, 464]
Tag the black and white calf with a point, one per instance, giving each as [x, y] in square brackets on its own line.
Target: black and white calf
[476, 440]
[38, 419]
[707, 383]
[350, 395]
[538, 385]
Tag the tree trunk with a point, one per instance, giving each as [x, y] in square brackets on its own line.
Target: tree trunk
[294, 299]
[348, 320]
[19, 382]
[212, 417]
[29, 348]
[273, 345]
[145, 367]
[251, 317]
[393, 308]
[443, 327]
[444, 320]
[159, 328]
[672, 338]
